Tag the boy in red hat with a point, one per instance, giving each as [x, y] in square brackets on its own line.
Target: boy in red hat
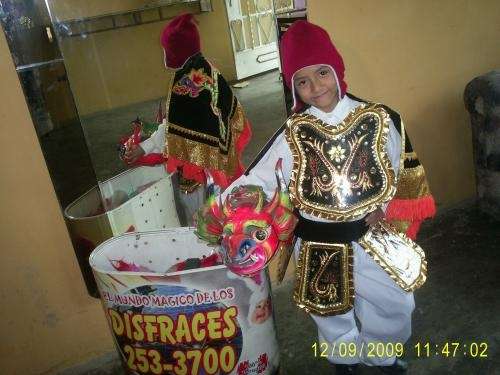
[349, 165]
[204, 128]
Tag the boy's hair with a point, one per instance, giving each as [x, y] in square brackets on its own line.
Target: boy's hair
[305, 44]
[180, 40]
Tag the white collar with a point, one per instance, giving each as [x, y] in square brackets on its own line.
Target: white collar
[343, 107]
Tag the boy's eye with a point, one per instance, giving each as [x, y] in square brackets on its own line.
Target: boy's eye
[303, 83]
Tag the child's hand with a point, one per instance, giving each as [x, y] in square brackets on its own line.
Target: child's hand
[374, 217]
[133, 153]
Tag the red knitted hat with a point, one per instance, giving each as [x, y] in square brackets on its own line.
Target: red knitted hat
[180, 40]
[305, 44]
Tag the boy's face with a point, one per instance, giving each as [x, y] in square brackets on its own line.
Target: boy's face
[316, 86]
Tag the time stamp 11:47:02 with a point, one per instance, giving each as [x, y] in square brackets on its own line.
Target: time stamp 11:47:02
[452, 349]
[420, 349]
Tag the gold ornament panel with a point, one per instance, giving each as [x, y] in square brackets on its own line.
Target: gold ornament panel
[341, 172]
[402, 259]
[325, 284]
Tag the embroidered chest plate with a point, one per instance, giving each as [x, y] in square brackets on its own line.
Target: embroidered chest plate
[342, 172]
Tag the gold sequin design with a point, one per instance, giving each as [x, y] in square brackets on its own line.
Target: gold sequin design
[324, 278]
[203, 155]
[300, 170]
[235, 125]
[412, 184]
[401, 258]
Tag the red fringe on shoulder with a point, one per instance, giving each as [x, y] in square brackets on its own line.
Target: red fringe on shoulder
[413, 210]
[244, 138]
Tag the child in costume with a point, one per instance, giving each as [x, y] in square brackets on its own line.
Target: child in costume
[348, 164]
[204, 128]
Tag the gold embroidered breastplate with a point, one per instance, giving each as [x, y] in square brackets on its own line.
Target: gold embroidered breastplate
[341, 172]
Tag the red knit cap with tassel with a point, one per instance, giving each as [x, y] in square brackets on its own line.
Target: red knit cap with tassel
[305, 44]
[180, 40]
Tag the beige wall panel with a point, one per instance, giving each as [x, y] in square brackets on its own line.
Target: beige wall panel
[417, 57]
[73, 9]
[115, 68]
[49, 320]
[216, 40]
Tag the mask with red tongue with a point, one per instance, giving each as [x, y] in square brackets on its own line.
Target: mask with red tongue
[248, 228]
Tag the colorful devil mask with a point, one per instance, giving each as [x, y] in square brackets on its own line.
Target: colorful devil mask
[248, 228]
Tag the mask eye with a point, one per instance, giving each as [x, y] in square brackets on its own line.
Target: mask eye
[260, 235]
[245, 246]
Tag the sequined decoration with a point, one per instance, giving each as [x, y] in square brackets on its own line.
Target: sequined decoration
[343, 172]
[402, 259]
[324, 278]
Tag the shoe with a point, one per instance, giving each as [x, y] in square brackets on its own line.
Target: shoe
[397, 368]
[346, 369]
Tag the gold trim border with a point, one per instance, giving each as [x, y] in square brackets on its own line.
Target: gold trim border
[299, 162]
[419, 281]
[301, 284]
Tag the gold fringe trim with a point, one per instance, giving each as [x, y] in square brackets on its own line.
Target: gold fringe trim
[410, 155]
[203, 155]
[412, 183]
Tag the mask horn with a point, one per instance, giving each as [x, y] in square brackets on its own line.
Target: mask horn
[213, 199]
[281, 194]
[226, 207]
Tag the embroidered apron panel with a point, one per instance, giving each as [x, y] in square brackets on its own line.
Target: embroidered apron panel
[324, 283]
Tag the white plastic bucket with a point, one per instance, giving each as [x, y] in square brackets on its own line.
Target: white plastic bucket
[198, 321]
[138, 199]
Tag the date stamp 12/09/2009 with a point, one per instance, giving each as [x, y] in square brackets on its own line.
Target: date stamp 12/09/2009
[477, 350]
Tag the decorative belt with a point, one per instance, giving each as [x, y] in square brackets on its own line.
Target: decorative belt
[325, 284]
[342, 232]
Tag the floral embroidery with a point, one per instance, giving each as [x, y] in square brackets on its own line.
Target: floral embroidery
[193, 83]
[337, 153]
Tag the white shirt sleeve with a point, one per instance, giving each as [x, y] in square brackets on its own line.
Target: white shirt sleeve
[263, 173]
[155, 143]
[393, 149]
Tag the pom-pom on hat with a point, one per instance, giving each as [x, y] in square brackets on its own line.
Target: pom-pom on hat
[305, 44]
[180, 40]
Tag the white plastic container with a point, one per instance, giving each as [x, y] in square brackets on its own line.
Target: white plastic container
[138, 199]
[197, 321]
